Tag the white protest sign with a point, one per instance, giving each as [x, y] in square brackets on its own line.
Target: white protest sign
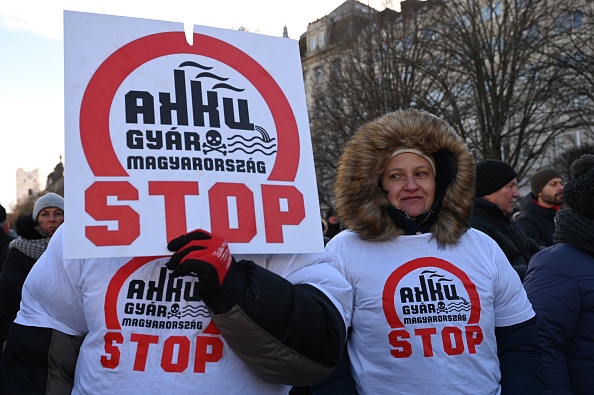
[163, 137]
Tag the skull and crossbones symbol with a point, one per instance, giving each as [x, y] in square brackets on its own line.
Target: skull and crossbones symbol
[213, 143]
[174, 311]
[441, 307]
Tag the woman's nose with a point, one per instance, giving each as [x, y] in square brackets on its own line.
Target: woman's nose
[411, 183]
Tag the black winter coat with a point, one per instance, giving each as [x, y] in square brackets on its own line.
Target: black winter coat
[559, 285]
[4, 242]
[538, 223]
[516, 245]
[14, 271]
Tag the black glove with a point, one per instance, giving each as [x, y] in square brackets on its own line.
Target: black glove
[203, 255]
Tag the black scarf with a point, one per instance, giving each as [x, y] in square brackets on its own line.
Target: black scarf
[421, 224]
[574, 229]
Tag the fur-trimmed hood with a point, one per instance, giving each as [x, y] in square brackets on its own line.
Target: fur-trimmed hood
[361, 202]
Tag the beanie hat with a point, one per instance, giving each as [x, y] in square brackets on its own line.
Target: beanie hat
[48, 200]
[492, 175]
[541, 178]
[579, 192]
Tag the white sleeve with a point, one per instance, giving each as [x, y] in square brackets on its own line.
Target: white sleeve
[51, 296]
[511, 302]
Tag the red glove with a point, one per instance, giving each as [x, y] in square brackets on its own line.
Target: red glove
[203, 255]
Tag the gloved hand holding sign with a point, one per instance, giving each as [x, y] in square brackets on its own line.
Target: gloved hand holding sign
[201, 254]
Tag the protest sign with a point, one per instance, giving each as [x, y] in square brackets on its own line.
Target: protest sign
[164, 136]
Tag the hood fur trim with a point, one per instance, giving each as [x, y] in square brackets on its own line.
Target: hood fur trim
[360, 200]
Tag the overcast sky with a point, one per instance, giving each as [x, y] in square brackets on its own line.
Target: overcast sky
[31, 62]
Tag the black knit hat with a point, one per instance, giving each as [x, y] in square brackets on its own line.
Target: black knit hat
[541, 178]
[579, 192]
[492, 175]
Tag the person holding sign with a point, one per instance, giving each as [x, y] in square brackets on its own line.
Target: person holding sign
[437, 307]
[167, 135]
[199, 321]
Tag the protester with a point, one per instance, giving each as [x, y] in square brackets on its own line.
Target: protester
[333, 222]
[496, 194]
[437, 307]
[5, 236]
[211, 324]
[559, 284]
[537, 219]
[35, 231]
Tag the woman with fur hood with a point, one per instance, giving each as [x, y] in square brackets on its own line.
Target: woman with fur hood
[437, 307]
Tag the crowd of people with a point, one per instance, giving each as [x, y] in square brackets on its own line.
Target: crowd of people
[428, 284]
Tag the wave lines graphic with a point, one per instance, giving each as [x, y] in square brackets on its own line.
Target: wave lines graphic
[227, 86]
[195, 308]
[434, 274]
[252, 145]
[194, 311]
[239, 136]
[459, 306]
[194, 315]
[253, 151]
[211, 75]
[194, 64]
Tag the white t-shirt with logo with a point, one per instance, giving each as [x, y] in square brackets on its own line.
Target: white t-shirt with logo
[146, 332]
[424, 318]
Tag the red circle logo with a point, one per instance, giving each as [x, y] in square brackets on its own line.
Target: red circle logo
[99, 94]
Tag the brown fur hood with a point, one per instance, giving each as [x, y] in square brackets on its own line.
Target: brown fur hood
[360, 200]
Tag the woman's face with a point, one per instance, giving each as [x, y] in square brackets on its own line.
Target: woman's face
[410, 183]
[50, 219]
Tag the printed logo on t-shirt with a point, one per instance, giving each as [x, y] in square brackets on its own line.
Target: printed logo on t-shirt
[161, 319]
[156, 304]
[432, 300]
